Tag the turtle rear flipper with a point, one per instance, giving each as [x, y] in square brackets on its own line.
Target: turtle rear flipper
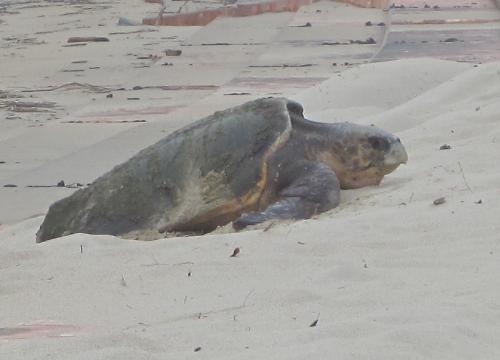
[305, 188]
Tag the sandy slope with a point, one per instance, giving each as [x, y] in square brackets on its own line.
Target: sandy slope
[388, 275]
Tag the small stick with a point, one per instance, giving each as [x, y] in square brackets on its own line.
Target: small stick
[463, 176]
[182, 6]
[87, 39]
[270, 225]
[246, 298]
[73, 85]
[315, 322]
[184, 263]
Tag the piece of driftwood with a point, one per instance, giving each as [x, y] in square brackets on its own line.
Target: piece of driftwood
[74, 86]
[173, 52]
[78, 39]
[27, 106]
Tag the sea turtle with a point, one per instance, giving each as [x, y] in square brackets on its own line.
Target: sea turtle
[258, 161]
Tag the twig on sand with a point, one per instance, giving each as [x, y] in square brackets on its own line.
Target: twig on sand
[246, 298]
[87, 39]
[234, 308]
[75, 44]
[74, 86]
[270, 225]
[182, 6]
[315, 322]
[59, 185]
[463, 176]
[27, 106]
[156, 263]
[103, 121]
[132, 32]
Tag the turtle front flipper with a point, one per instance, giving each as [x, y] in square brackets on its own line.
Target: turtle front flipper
[305, 188]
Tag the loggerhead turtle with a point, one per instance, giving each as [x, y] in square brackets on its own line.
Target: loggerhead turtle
[258, 161]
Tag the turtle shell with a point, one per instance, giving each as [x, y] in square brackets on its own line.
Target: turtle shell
[199, 177]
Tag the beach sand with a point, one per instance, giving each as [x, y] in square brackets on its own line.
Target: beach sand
[386, 275]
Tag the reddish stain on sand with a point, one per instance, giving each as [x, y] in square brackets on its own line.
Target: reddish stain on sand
[33, 330]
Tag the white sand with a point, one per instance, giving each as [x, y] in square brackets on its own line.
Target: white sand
[388, 275]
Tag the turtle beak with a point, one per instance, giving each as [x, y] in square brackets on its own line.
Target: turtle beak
[396, 155]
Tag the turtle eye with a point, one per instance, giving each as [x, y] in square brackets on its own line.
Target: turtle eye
[378, 143]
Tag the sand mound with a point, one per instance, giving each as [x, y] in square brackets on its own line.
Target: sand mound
[373, 88]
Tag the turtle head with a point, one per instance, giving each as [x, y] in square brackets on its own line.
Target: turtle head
[362, 155]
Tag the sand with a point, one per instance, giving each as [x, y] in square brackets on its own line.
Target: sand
[387, 275]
